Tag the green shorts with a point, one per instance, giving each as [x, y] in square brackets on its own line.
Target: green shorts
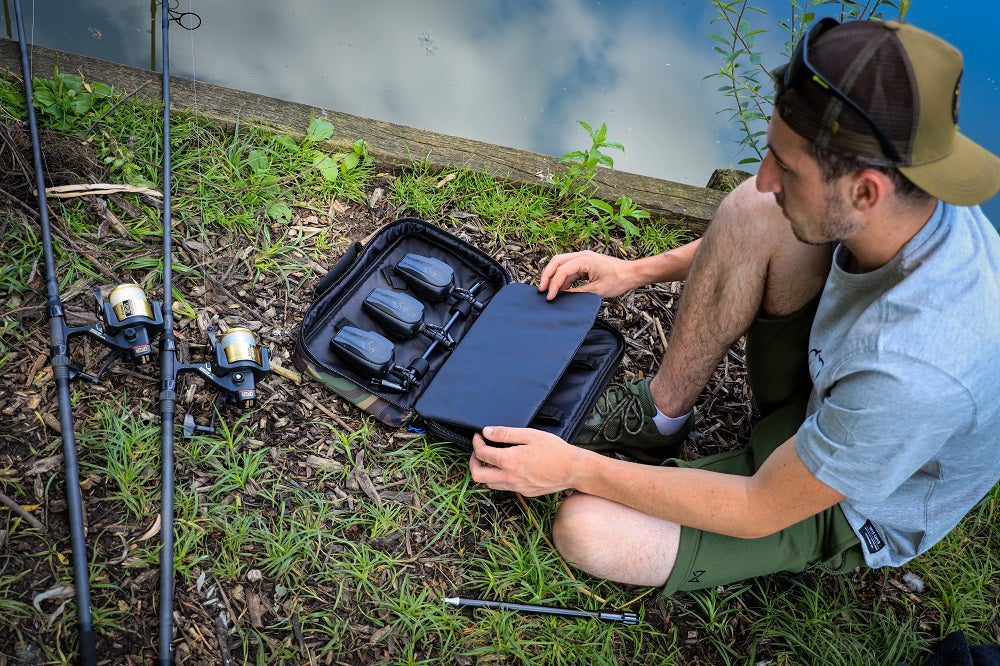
[777, 372]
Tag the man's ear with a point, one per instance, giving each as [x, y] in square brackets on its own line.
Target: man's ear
[868, 188]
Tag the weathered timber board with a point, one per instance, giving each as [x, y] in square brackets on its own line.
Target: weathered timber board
[390, 144]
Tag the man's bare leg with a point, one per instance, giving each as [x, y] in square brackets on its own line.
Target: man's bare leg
[748, 262]
[612, 541]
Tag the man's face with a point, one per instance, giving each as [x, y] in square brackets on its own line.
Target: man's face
[815, 209]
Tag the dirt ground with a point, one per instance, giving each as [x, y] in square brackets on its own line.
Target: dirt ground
[224, 279]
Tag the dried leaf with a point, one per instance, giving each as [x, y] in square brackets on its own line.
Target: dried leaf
[256, 610]
[152, 531]
[319, 462]
[45, 465]
[447, 179]
[59, 592]
[367, 487]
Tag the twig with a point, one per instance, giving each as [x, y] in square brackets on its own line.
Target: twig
[297, 630]
[115, 106]
[65, 236]
[83, 189]
[28, 209]
[286, 372]
[200, 266]
[659, 331]
[323, 408]
[16, 508]
[223, 640]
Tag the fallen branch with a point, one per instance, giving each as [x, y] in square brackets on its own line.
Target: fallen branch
[82, 190]
[19, 510]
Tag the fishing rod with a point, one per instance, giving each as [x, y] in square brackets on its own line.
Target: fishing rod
[60, 371]
[168, 378]
[128, 322]
[237, 364]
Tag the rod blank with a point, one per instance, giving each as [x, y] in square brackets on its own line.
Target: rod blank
[61, 373]
[168, 380]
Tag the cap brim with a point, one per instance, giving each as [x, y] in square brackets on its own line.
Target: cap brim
[967, 176]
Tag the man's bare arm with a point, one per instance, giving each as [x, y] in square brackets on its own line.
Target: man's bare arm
[609, 276]
[781, 493]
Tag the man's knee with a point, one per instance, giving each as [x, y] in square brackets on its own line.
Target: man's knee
[750, 224]
[573, 524]
[612, 541]
[749, 213]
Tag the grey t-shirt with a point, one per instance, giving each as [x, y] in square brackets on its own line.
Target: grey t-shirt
[904, 416]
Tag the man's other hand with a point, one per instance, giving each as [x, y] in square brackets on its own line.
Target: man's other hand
[608, 276]
[531, 462]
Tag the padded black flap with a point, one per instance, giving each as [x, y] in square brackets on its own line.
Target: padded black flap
[511, 358]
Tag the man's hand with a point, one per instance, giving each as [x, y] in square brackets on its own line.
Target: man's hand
[537, 463]
[608, 276]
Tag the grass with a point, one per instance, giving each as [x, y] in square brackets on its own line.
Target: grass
[293, 559]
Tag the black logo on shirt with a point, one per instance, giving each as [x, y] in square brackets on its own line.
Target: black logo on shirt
[873, 540]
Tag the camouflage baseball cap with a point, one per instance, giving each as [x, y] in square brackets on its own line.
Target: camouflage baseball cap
[886, 93]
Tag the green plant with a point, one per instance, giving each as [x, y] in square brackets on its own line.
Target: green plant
[578, 181]
[576, 187]
[623, 214]
[67, 102]
[128, 448]
[329, 165]
[12, 106]
[747, 82]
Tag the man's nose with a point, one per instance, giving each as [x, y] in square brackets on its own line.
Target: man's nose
[767, 175]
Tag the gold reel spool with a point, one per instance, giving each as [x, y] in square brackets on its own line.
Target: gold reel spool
[129, 300]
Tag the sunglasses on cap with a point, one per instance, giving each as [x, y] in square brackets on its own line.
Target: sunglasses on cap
[799, 67]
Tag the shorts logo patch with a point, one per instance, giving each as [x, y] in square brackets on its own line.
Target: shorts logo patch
[696, 578]
[873, 540]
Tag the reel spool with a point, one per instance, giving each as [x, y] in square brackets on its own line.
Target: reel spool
[128, 324]
[242, 363]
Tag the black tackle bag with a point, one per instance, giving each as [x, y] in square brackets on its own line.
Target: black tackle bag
[512, 358]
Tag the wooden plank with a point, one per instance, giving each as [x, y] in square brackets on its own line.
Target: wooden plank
[391, 145]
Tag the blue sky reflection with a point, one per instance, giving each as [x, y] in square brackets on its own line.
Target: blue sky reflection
[517, 74]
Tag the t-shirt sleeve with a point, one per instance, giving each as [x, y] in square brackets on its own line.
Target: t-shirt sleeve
[883, 418]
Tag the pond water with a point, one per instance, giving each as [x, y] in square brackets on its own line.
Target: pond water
[517, 73]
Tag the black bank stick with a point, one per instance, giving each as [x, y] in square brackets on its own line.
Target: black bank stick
[623, 617]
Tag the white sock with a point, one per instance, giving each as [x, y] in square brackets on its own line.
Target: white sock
[668, 425]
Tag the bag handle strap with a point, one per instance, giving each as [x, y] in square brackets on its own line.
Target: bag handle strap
[338, 269]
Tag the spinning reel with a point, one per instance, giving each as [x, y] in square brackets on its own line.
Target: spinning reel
[237, 364]
[129, 322]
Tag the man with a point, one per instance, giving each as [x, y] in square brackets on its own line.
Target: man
[868, 291]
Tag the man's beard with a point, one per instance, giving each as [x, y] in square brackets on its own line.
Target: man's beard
[833, 223]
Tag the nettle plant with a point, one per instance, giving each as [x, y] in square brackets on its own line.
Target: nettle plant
[747, 80]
